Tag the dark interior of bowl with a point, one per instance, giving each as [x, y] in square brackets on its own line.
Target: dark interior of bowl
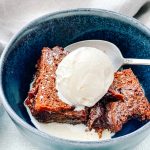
[63, 29]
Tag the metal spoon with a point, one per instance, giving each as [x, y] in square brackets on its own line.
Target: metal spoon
[112, 52]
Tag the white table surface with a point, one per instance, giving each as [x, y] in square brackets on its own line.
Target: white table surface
[11, 138]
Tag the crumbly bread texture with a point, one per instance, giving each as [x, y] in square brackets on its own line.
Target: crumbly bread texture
[43, 100]
[124, 100]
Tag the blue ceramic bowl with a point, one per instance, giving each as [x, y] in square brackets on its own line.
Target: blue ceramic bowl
[63, 28]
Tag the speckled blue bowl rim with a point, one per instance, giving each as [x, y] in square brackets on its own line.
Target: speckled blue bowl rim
[24, 124]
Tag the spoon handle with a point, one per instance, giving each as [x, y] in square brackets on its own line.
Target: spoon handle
[131, 61]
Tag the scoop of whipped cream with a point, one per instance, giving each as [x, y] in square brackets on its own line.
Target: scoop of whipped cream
[84, 76]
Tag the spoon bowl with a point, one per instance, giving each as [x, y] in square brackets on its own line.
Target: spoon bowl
[111, 50]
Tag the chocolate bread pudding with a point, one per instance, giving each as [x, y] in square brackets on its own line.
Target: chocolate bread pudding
[124, 100]
[43, 100]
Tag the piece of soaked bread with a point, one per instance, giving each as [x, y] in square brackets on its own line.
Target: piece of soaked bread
[43, 100]
[124, 100]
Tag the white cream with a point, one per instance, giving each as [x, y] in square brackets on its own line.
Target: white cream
[84, 76]
[68, 131]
